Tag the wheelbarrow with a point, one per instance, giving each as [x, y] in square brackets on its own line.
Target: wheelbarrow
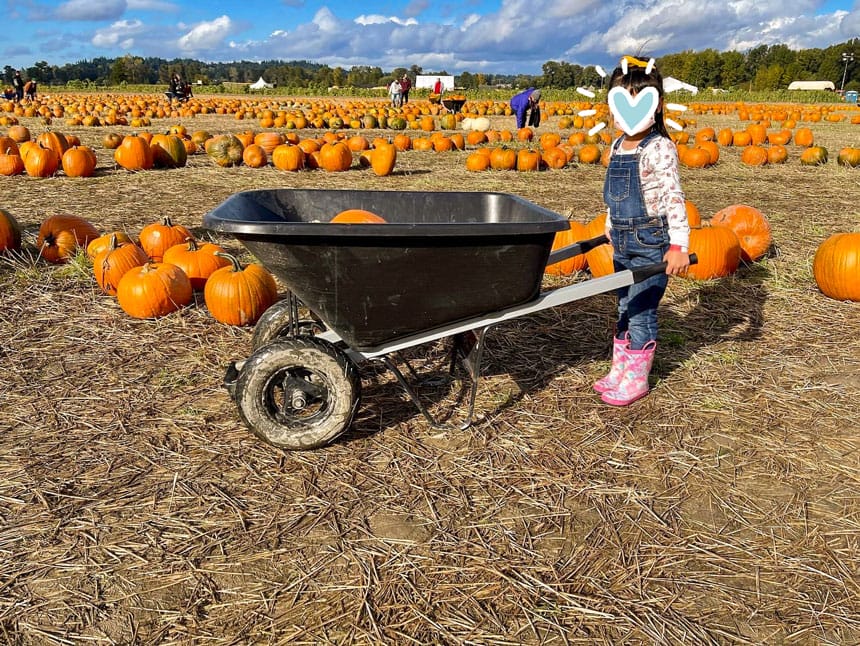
[453, 105]
[445, 265]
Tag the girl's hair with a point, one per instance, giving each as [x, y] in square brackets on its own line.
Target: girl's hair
[635, 80]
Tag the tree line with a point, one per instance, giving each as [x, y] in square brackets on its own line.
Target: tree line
[766, 67]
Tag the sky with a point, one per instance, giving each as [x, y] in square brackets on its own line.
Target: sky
[502, 36]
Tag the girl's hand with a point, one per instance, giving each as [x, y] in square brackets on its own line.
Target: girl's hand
[677, 262]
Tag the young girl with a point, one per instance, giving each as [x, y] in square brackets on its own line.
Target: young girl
[646, 224]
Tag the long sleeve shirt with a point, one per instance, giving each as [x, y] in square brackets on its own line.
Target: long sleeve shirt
[661, 188]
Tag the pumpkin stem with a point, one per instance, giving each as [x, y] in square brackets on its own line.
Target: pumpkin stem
[192, 243]
[223, 254]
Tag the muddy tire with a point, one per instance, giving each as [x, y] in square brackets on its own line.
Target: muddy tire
[275, 323]
[298, 393]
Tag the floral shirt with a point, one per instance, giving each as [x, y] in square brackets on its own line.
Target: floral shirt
[661, 187]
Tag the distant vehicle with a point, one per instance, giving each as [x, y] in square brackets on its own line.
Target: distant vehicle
[812, 85]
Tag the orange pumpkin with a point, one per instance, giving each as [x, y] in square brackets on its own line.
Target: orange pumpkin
[814, 156]
[750, 226]
[61, 235]
[153, 289]
[101, 243]
[335, 157]
[383, 158]
[573, 234]
[197, 260]
[528, 160]
[134, 153]
[718, 252]
[111, 263]
[158, 237]
[357, 216]
[599, 259]
[836, 267]
[239, 296]
[477, 162]
[10, 232]
[255, 156]
[754, 155]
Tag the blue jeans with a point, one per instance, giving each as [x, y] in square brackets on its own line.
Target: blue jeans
[637, 242]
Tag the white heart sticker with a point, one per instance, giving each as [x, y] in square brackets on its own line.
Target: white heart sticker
[633, 114]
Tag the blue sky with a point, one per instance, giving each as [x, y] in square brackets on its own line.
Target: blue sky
[502, 36]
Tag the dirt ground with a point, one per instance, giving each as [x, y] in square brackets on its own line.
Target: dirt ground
[136, 508]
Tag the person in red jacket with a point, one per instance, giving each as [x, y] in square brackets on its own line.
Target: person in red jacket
[405, 86]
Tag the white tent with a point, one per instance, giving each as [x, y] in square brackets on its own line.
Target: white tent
[260, 84]
[811, 85]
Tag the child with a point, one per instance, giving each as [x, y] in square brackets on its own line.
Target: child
[646, 223]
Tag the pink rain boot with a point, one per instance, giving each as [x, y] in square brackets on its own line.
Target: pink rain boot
[634, 381]
[619, 360]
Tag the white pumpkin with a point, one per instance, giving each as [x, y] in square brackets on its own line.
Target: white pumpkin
[466, 124]
[481, 123]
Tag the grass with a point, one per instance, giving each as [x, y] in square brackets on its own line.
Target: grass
[721, 509]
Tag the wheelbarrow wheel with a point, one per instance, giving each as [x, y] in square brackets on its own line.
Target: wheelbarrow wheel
[275, 323]
[298, 393]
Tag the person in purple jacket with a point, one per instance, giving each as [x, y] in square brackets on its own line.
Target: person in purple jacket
[527, 101]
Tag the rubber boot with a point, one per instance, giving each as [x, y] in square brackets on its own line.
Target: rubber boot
[634, 380]
[619, 360]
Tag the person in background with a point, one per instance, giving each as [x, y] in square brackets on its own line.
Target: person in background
[527, 102]
[30, 90]
[405, 86]
[438, 88]
[395, 93]
[18, 86]
[646, 223]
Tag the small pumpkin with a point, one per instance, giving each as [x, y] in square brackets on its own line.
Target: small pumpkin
[197, 260]
[836, 266]
[112, 140]
[61, 235]
[528, 160]
[254, 156]
[10, 232]
[111, 263]
[158, 237]
[477, 162]
[238, 296]
[154, 289]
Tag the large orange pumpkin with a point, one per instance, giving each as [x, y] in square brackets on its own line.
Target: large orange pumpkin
[158, 237]
[197, 259]
[239, 296]
[599, 259]
[111, 264]
[750, 226]
[61, 235]
[382, 158]
[718, 251]
[335, 157]
[153, 290]
[573, 234]
[836, 266]
[10, 232]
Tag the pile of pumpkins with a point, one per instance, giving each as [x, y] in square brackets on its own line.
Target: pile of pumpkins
[158, 274]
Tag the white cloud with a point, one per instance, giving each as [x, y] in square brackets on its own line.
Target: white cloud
[376, 19]
[153, 5]
[122, 31]
[91, 9]
[206, 36]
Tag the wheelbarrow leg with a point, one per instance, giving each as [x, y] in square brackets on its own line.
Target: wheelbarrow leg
[472, 357]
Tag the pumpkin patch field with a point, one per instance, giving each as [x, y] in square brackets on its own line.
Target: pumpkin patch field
[136, 508]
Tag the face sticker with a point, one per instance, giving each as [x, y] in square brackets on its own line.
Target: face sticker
[633, 114]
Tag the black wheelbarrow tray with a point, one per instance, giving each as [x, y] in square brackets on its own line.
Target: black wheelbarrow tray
[445, 264]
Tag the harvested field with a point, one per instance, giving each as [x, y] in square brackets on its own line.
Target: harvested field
[135, 508]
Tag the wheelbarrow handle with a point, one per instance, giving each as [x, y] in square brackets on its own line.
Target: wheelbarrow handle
[576, 249]
[646, 271]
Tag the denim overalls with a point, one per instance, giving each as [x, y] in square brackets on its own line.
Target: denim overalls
[637, 240]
